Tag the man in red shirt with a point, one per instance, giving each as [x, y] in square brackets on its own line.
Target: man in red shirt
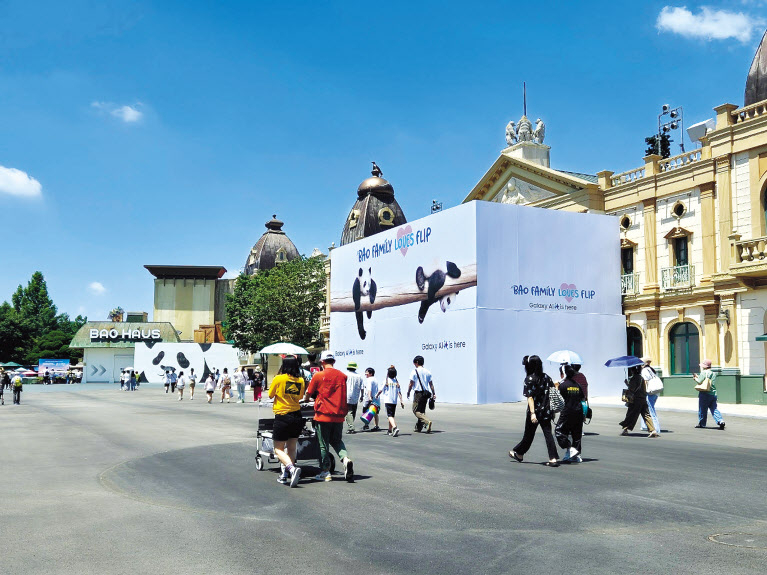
[328, 389]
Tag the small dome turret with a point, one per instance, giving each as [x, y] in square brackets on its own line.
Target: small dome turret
[272, 248]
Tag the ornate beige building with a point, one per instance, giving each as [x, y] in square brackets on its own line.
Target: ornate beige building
[693, 241]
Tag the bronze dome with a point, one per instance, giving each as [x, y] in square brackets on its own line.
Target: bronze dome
[375, 185]
[272, 248]
[374, 211]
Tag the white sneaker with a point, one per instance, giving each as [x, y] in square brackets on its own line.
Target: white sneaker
[577, 459]
[284, 479]
[573, 453]
[295, 476]
[228, 401]
[323, 476]
[349, 470]
[180, 398]
[395, 432]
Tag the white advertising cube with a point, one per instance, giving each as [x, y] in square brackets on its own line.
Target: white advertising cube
[474, 289]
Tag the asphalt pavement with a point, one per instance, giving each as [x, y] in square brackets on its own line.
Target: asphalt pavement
[106, 482]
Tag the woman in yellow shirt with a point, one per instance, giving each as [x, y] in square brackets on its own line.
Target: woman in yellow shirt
[287, 389]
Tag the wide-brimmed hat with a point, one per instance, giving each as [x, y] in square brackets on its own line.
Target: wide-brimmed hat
[647, 360]
[705, 364]
[351, 365]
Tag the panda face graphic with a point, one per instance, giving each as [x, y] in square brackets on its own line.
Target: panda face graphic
[446, 301]
[431, 280]
[153, 361]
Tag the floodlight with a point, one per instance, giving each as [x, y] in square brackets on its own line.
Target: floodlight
[674, 125]
[674, 113]
[666, 108]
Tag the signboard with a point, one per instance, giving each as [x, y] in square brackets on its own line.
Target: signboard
[475, 288]
[125, 334]
[52, 365]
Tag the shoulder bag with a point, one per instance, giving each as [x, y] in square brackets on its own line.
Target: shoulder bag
[705, 386]
[654, 384]
[423, 387]
[556, 401]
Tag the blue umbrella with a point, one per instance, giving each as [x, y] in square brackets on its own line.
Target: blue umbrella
[624, 361]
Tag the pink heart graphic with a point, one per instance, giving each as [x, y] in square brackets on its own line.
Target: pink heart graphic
[401, 233]
[565, 287]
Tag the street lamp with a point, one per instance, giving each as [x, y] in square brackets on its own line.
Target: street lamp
[436, 206]
[675, 122]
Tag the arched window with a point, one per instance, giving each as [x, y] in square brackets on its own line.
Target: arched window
[685, 348]
[634, 341]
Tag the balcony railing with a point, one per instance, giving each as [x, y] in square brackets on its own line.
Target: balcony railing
[747, 113]
[627, 177]
[630, 284]
[680, 161]
[325, 323]
[750, 250]
[677, 277]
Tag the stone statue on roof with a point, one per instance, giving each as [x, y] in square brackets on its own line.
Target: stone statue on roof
[511, 134]
[540, 131]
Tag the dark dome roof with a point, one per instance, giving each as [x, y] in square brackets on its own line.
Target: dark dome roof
[374, 211]
[756, 83]
[272, 248]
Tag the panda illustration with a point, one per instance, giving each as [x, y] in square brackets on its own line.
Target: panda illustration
[432, 280]
[364, 286]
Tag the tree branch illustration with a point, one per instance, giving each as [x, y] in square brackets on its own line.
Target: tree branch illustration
[402, 294]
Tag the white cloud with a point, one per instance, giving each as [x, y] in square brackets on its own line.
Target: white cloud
[97, 288]
[128, 114]
[708, 24]
[17, 183]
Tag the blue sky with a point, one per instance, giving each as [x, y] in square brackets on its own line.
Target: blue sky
[144, 132]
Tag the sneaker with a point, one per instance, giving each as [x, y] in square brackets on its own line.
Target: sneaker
[284, 479]
[365, 428]
[721, 425]
[428, 427]
[388, 432]
[653, 434]
[566, 456]
[350, 432]
[700, 426]
[295, 476]
[577, 459]
[180, 398]
[417, 429]
[222, 401]
[395, 432]
[229, 401]
[323, 476]
[625, 431]
[349, 470]
[376, 428]
[573, 453]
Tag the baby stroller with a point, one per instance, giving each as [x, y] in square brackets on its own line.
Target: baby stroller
[307, 448]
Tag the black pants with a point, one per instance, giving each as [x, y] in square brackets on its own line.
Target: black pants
[636, 408]
[527, 439]
[569, 424]
[16, 395]
[173, 387]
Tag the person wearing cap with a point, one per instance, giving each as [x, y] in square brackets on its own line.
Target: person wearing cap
[653, 384]
[707, 399]
[328, 389]
[369, 395]
[257, 383]
[420, 379]
[354, 385]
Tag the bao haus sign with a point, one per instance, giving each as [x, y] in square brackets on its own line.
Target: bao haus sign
[126, 334]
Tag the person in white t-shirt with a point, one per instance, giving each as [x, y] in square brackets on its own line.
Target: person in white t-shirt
[210, 386]
[420, 381]
[166, 380]
[181, 384]
[649, 375]
[391, 392]
[239, 382]
[353, 389]
[192, 383]
[369, 394]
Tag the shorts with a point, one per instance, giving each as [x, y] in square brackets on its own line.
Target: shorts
[391, 409]
[191, 385]
[287, 426]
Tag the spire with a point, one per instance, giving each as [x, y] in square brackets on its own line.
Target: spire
[524, 99]
[756, 83]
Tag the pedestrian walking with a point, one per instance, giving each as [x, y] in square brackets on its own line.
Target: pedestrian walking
[226, 385]
[166, 380]
[132, 381]
[173, 381]
[6, 380]
[287, 390]
[392, 393]
[353, 394]
[421, 381]
[210, 386]
[258, 383]
[653, 384]
[123, 379]
[536, 390]
[637, 393]
[569, 427]
[370, 394]
[3, 375]
[17, 389]
[581, 380]
[328, 389]
[707, 400]
[239, 382]
[192, 383]
[181, 384]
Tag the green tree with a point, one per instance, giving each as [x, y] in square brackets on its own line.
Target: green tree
[14, 339]
[35, 307]
[53, 345]
[652, 145]
[280, 304]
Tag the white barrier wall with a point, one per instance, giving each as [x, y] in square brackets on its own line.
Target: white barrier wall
[152, 360]
[512, 281]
